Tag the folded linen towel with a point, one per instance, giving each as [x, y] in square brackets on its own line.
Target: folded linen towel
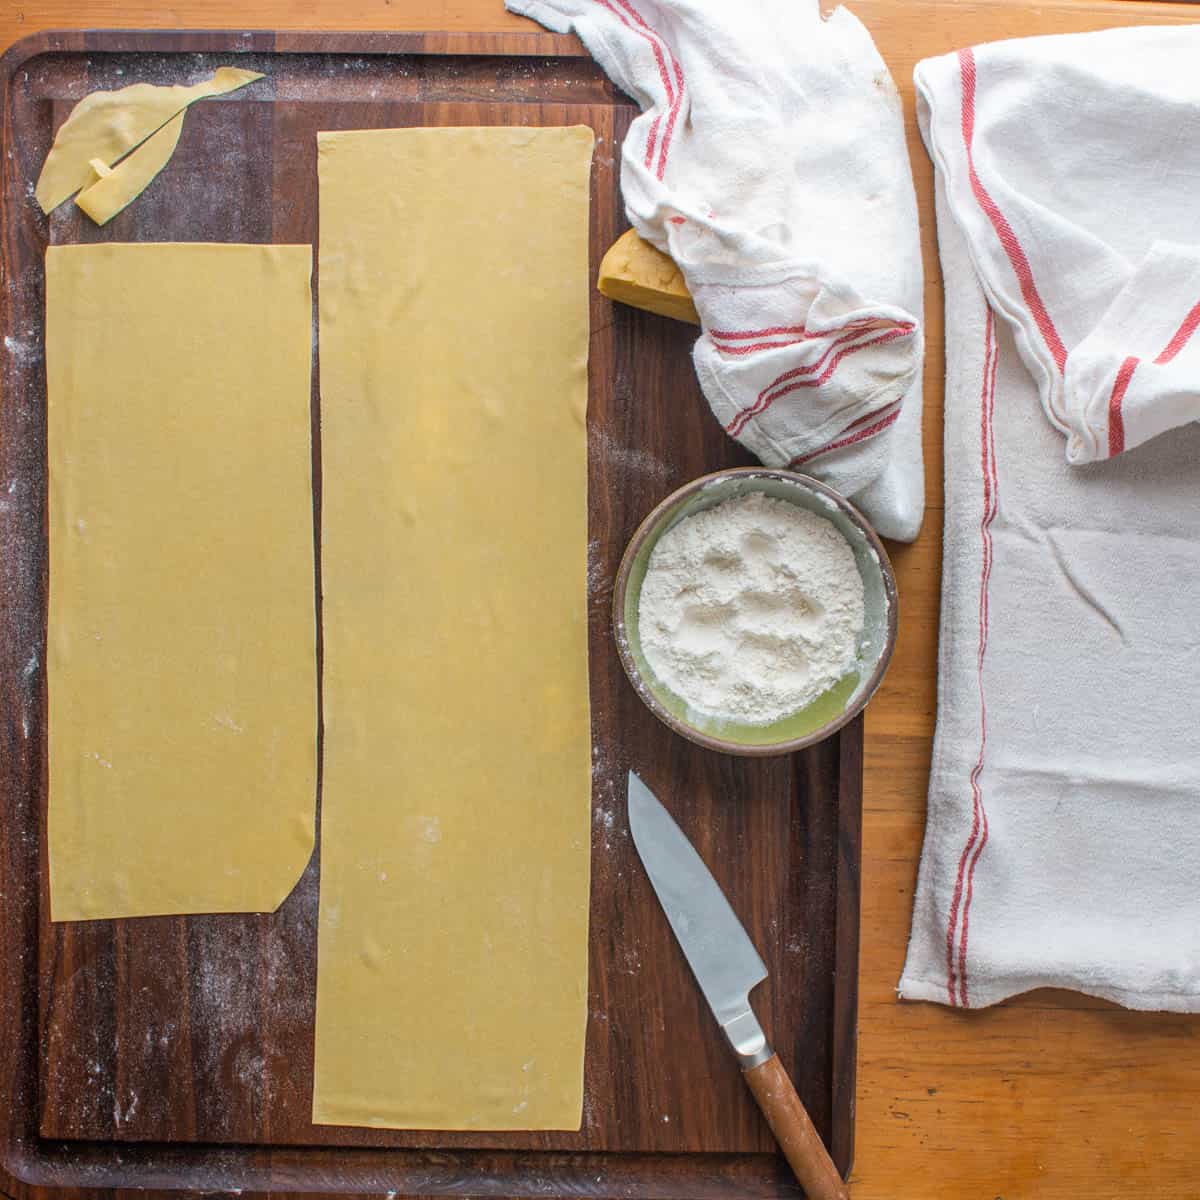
[770, 163]
[1062, 846]
[1070, 163]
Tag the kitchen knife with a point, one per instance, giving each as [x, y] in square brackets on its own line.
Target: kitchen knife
[727, 966]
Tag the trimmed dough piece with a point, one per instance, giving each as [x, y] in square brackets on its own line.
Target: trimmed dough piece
[181, 632]
[115, 187]
[452, 965]
[107, 125]
[99, 170]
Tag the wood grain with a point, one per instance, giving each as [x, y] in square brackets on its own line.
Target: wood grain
[178, 1051]
[1053, 1096]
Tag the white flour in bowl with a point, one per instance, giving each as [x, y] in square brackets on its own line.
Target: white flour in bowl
[751, 609]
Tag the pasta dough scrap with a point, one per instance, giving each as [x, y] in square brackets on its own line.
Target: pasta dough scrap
[107, 125]
[113, 188]
[452, 946]
[181, 629]
[98, 170]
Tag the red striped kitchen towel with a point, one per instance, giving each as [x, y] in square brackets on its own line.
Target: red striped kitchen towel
[769, 161]
[1062, 844]
[1070, 165]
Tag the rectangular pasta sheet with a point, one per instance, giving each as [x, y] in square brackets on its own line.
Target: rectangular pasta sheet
[452, 971]
[181, 630]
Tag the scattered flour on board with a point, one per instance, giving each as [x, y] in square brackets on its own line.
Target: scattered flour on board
[596, 573]
[22, 352]
[631, 458]
[751, 609]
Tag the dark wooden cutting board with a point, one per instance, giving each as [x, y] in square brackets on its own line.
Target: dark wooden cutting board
[176, 1053]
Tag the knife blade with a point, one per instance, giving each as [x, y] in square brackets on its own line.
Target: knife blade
[722, 957]
[727, 967]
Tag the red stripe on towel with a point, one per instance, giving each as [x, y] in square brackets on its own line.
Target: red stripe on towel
[730, 335]
[1116, 399]
[663, 74]
[956, 958]
[755, 347]
[852, 439]
[1004, 231]
[674, 95]
[792, 381]
[801, 335]
[1181, 336]
[871, 416]
[671, 117]
[1116, 418]
[765, 399]
[990, 436]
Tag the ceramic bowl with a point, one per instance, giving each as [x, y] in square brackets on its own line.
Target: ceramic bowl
[831, 710]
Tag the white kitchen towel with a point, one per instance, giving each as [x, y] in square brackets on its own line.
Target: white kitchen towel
[1071, 165]
[769, 161]
[1062, 843]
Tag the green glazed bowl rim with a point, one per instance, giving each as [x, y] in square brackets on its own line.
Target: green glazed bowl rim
[647, 529]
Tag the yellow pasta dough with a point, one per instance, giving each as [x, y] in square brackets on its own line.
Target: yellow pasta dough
[107, 125]
[181, 629]
[452, 967]
[112, 188]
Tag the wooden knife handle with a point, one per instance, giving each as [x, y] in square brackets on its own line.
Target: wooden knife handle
[795, 1132]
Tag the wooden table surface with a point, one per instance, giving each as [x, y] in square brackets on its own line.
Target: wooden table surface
[1050, 1095]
